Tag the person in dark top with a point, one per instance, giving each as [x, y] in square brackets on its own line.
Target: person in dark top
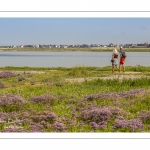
[122, 59]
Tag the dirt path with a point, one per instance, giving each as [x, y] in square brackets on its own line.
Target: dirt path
[120, 77]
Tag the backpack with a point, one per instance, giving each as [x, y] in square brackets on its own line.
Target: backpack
[124, 54]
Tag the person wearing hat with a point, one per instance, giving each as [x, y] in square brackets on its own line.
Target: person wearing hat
[121, 50]
[114, 61]
[122, 59]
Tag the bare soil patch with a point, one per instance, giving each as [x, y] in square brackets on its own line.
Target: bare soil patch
[117, 76]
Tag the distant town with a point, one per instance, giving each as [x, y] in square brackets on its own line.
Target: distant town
[111, 45]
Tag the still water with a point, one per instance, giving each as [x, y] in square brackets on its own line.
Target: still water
[69, 59]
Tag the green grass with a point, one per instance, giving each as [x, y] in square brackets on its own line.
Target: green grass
[78, 70]
[70, 96]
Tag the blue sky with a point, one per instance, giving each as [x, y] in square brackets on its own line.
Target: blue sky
[19, 31]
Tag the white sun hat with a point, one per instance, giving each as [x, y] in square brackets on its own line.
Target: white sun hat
[115, 51]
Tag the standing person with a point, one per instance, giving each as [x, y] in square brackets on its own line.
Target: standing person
[122, 59]
[115, 62]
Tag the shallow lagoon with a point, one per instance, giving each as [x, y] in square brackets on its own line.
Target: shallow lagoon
[68, 59]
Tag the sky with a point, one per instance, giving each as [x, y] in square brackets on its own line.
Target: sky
[61, 31]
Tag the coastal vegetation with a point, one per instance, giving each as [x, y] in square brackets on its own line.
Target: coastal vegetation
[77, 99]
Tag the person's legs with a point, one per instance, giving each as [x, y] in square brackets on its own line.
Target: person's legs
[120, 65]
[123, 67]
[112, 68]
[117, 67]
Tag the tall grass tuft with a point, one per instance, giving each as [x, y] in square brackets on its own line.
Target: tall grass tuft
[78, 72]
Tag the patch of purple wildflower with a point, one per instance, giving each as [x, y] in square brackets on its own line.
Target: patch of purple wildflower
[135, 125]
[5, 116]
[102, 96]
[6, 74]
[100, 125]
[114, 95]
[59, 127]
[129, 125]
[10, 98]
[94, 125]
[47, 98]
[12, 102]
[145, 116]
[131, 93]
[44, 116]
[120, 123]
[36, 126]
[46, 124]
[101, 114]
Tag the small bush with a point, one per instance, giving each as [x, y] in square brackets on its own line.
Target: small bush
[6, 74]
[44, 99]
[12, 102]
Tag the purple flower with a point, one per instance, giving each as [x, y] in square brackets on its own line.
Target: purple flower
[43, 99]
[6, 74]
[12, 102]
[101, 114]
[114, 96]
[36, 126]
[120, 123]
[94, 125]
[59, 126]
[102, 125]
[46, 124]
[44, 116]
[130, 125]
[11, 99]
[145, 116]
[135, 125]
